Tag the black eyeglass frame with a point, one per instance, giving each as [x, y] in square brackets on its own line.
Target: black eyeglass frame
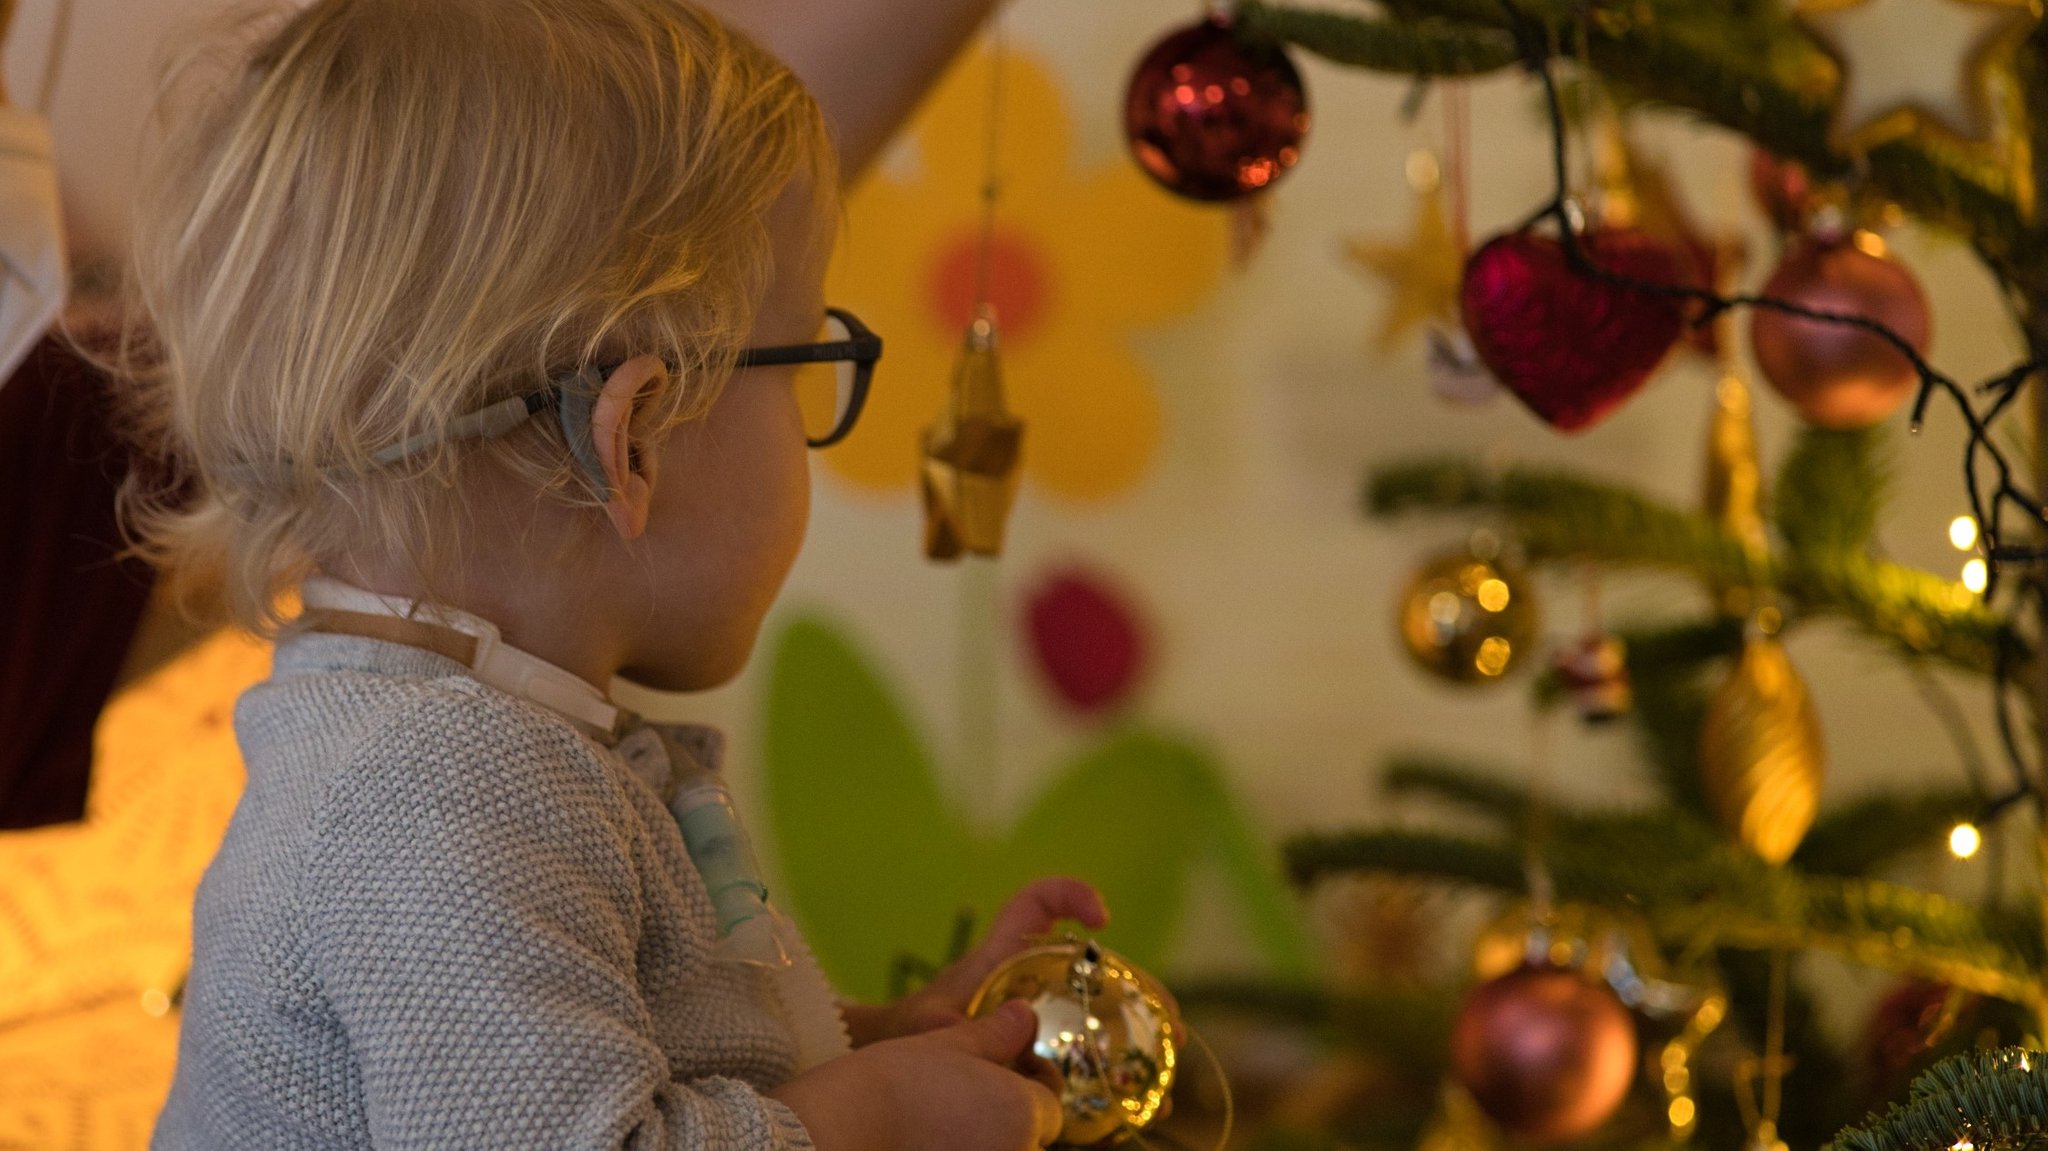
[572, 398]
[861, 346]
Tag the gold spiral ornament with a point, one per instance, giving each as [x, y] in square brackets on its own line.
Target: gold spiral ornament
[1761, 752]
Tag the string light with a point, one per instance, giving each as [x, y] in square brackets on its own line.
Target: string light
[1977, 575]
[1964, 841]
[1962, 532]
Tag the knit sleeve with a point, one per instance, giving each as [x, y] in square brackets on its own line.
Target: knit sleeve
[474, 914]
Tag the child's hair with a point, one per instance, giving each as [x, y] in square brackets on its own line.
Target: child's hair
[382, 214]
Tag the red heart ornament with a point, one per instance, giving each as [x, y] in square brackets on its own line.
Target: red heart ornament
[1569, 346]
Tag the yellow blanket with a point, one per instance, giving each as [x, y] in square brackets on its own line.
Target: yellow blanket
[96, 917]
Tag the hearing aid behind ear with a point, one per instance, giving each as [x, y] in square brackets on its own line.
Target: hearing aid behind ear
[575, 405]
[572, 396]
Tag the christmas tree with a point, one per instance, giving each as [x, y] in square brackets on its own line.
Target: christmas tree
[1670, 939]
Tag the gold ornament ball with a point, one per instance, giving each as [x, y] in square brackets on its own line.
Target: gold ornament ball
[1109, 1029]
[1467, 620]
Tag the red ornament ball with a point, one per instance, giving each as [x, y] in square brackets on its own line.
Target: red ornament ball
[1087, 639]
[1214, 118]
[1546, 1054]
[1836, 375]
[1569, 346]
[1911, 1020]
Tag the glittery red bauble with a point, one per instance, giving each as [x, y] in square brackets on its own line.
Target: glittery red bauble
[1782, 189]
[1087, 639]
[1569, 346]
[1836, 375]
[1214, 118]
[1545, 1054]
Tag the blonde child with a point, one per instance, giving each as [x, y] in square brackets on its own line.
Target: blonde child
[473, 320]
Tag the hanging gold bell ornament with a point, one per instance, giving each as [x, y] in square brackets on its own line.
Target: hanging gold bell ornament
[1466, 619]
[1110, 1030]
[971, 455]
[1761, 753]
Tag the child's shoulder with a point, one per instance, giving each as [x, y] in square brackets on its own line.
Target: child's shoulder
[362, 714]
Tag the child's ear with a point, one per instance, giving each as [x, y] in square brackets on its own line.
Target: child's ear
[629, 474]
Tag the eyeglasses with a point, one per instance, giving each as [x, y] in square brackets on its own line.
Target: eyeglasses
[831, 395]
[831, 400]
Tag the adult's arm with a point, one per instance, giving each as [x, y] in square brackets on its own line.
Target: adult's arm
[868, 62]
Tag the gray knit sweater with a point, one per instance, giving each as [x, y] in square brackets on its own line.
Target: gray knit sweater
[444, 918]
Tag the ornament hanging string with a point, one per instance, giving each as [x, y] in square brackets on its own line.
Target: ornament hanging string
[981, 592]
[1154, 1140]
[1457, 108]
[991, 172]
[1760, 1115]
[1987, 505]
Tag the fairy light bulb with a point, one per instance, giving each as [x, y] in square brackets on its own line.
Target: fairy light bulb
[1977, 576]
[1964, 841]
[1962, 532]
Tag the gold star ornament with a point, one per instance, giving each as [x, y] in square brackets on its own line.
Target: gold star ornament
[1909, 65]
[1423, 272]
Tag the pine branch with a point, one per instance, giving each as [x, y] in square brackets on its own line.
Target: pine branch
[1417, 48]
[1463, 784]
[1860, 837]
[1982, 1100]
[1671, 707]
[1416, 1023]
[1430, 485]
[1559, 516]
[1562, 517]
[1917, 611]
[1831, 490]
[1747, 67]
[1312, 858]
[1697, 892]
[1682, 648]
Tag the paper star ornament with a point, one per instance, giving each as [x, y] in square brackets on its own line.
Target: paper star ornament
[1423, 273]
[969, 474]
[1909, 64]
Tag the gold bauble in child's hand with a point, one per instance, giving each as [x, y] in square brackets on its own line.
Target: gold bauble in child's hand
[1110, 1031]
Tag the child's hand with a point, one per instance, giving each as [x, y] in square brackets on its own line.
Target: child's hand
[1031, 912]
[952, 1089]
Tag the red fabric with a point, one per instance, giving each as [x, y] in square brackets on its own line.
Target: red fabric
[69, 606]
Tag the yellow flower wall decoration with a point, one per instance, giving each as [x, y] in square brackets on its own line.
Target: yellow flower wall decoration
[1081, 261]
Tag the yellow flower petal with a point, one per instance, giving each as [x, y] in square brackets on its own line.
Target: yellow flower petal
[1085, 260]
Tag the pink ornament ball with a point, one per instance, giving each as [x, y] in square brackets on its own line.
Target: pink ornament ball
[1836, 375]
[1546, 1054]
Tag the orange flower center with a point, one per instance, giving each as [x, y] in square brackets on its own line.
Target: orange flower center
[1019, 282]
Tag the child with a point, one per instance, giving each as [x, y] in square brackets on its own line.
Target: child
[456, 318]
